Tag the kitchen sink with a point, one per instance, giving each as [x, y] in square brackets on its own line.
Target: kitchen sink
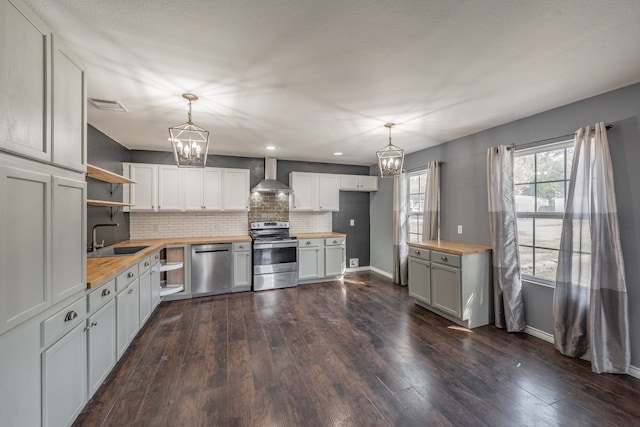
[116, 251]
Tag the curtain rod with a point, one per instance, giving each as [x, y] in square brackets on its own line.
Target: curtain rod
[549, 140]
[418, 168]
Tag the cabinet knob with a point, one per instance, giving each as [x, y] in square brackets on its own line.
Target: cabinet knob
[130, 275]
[444, 258]
[130, 291]
[417, 252]
[106, 292]
[335, 241]
[146, 263]
[157, 256]
[308, 243]
[70, 316]
[94, 324]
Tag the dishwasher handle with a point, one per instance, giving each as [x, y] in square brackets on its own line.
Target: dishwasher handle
[211, 250]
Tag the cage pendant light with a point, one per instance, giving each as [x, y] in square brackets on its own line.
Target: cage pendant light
[390, 158]
[190, 143]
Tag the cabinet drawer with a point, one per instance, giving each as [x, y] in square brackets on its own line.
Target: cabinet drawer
[419, 253]
[333, 241]
[144, 265]
[309, 243]
[63, 321]
[445, 258]
[101, 295]
[155, 258]
[129, 275]
[242, 247]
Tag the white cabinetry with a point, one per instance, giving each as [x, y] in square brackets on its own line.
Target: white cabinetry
[143, 195]
[170, 188]
[69, 109]
[202, 189]
[314, 191]
[334, 256]
[235, 190]
[155, 281]
[454, 285]
[310, 259]
[241, 267]
[145, 296]
[25, 83]
[127, 308]
[101, 353]
[358, 183]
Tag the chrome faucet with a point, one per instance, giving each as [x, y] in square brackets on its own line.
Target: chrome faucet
[94, 241]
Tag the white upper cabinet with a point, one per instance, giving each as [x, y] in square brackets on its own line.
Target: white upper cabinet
[212, 189]
[170, 188]
[314, 191]
[202, 189]
[144, 193]
[358, 183]
[69, 111]
[25, 83]
[235, 184]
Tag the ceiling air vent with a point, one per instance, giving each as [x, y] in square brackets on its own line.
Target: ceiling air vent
[105, 104]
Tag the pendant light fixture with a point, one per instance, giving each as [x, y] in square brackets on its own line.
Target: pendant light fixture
[390, 158]
[190, 143]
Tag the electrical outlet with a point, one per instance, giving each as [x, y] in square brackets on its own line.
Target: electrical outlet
[459, 229]
[352, 222]
[354, 262]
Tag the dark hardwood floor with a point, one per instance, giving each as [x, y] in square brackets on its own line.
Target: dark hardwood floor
[358, 353]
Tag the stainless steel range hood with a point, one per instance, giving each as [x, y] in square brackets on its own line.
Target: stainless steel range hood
[270, 184]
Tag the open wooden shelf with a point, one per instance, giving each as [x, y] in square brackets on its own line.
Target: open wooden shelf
[107, 203]
[107, 176]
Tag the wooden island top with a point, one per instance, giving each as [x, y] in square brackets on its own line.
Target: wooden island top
[456, 248]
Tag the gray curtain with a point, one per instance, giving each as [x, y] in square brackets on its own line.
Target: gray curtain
[400, 248]
[507, 282]
[431, 216]
[590, 299]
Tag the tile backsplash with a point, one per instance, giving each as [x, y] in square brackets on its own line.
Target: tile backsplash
[157, 225]
[269, 207]
[310, 222]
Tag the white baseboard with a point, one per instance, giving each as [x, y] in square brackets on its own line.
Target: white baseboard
[634, 372]
[354, 269]
[381, 272]
[544, 336]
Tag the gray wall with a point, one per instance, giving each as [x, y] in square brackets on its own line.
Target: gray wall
[464, 189]
[104, 152]
[353, 205]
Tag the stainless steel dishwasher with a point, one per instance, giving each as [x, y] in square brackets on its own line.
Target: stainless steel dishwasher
[210, 269]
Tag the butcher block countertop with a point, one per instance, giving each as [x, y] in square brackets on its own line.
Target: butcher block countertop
[456, 248]
[327, 235]
[103, 268]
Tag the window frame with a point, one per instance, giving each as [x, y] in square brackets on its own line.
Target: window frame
[539, 149]
[412, 213]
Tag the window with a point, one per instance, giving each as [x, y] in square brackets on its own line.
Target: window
[541, 184]
[415, 204]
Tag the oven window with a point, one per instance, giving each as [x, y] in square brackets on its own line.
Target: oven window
[274, 256]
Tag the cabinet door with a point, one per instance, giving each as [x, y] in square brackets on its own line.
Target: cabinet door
[69, 125]
[328, 192]
[368, 183]
[133, 310]
[193, 190]
[236, 190]
[155, 285]
[144, 192]
[170, 188]
[64, 379]
[241, 269]
[101, 345]
[349, 183]
[24, 244]
[24, 85]
[68, 223]
[122, 333]
[305, 194]
[212, 192]
[334, 260]
[445, 288]
[145, 296]
[310, 263]
[420, 279]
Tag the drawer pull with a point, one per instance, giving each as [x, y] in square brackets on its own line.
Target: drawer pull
[335, 241]
[106, 292]
[157, 256]
[130, 291]
[146, 263]
[94, 324]
[417, 252]
[444, 258]
[308, 243]
[130, 275]
[70, 316]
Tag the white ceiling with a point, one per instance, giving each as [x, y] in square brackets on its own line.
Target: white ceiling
[316, 77]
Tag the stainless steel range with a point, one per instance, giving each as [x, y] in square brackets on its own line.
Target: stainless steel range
[275, 255]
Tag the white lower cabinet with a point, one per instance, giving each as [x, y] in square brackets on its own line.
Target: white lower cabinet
[101, 345]
[64, 379]
[127, 316]
[310, 259]
[155, 285]
[242, 274]
[334, 257]
[145, 296]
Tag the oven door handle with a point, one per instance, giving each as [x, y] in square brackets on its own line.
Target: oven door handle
[275, 245]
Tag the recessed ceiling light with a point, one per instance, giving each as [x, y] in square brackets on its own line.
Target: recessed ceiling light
[337, 153]
[270, 147]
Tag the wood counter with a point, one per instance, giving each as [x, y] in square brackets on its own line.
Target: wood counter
[456, 248]
[327, 235]
[104, 268]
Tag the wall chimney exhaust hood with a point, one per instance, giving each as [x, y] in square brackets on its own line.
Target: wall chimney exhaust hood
[270, 184]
